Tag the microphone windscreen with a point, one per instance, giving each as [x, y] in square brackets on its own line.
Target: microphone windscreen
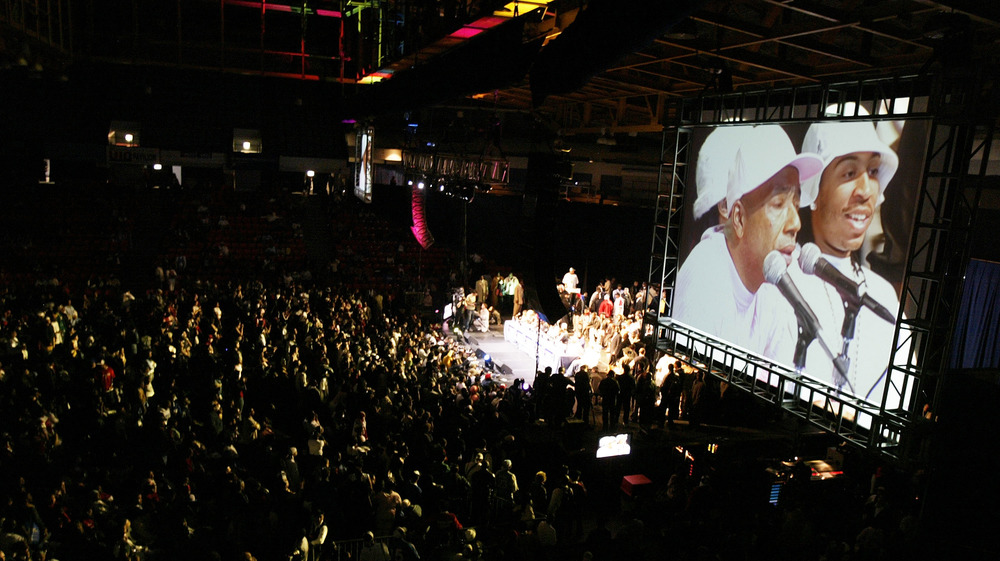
[808, 258]
[774, 266]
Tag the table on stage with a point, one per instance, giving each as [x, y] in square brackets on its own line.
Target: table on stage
[554, 354]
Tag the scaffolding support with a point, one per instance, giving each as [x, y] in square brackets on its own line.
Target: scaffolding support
[666, 222]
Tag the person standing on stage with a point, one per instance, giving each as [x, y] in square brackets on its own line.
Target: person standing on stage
[607, 307]
[495, 289]
[518, 296]
[468, 310]
[619, 304]
[571, 281]
[482, 289]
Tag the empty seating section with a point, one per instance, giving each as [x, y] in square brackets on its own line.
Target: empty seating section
[381, 256]
[67, 236]
[235, 241]
[74, 237]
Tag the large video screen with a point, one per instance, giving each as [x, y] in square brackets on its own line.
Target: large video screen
[794, 244]
[364, 176]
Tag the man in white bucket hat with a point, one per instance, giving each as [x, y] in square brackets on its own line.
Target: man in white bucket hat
[720, 286]
[857, 168]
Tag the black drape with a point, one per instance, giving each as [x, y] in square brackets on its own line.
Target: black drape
[976, 342]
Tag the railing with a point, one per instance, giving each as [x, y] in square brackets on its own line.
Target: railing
[812, 401]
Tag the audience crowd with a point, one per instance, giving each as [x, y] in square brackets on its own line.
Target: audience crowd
[291, 419]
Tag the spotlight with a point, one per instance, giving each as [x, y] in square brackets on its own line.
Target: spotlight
[157, 167]
[310, 173]
[420, 185]
[409, 183]
[128, 137]
[246, 144]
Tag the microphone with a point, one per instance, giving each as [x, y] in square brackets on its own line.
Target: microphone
[776, 273]
[812, 262]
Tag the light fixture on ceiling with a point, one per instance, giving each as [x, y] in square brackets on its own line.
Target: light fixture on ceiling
[684, 30]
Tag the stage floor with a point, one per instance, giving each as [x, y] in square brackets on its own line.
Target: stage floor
[511, 363]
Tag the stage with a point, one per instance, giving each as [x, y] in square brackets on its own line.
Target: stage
[515, 354]
[510, 363]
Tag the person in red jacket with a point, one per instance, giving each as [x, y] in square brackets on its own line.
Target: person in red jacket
[607, 307]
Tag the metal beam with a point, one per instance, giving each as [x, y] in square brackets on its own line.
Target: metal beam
[795, 35]
[750, 59]
[668, 77]
[982, 11]
[875, 26]
[612, 129]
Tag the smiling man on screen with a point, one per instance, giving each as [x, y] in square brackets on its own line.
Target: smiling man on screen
[857, 167]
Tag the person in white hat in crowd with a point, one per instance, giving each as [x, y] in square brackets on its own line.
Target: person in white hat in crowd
[857, 168]
[720, 286]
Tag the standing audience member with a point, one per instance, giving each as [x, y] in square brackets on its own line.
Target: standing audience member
[645, 399]
[626, 391]
[608, 389]
[584, 391]
[670, 395]
[373, 550]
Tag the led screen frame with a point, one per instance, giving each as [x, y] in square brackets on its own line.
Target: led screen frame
[889, 251]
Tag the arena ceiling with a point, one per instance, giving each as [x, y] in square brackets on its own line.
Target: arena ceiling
[579, 66]
[727, 46]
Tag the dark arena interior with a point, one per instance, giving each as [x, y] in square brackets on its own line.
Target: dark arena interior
[390, 279]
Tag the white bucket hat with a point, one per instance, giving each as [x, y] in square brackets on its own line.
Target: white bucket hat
[715, 157]
[765, 151]
[831, 140]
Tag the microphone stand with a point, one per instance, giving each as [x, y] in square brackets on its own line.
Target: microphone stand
[851, 310]
[806, 336]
